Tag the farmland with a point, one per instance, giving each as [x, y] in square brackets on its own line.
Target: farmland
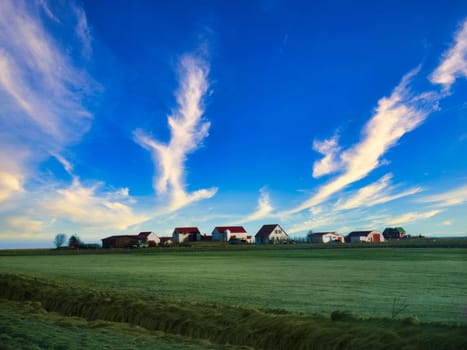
[428, 283]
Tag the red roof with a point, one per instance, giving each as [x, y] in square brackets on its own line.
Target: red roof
[186, 230]
[232, 229]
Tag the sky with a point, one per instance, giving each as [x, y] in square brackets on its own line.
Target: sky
[124, 116]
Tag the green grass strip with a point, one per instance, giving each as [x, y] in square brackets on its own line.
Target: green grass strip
[223, 324]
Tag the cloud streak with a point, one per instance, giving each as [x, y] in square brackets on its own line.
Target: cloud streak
[264, 207]
[41, 94]
[188, 129]
[376, 193]
[454, 61]
[454, 197]
[394, 117]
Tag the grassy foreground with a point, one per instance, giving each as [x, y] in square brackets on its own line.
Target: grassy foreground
[28, 325]
[223, 324]
[428, 283]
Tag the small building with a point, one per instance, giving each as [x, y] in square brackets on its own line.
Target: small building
[143, 239]
[324, 237]
[151, 238]
[394, 233]
[364, 236]
[186, 234]
[271, 234]
[226, 233]
[166, 241]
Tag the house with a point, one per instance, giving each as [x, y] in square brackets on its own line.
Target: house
[166, 241]
[364, 236]
[186, 234]
[394, 233]
[151, 238]
[225, 233]
[143, 239]
[324, 237]
[271, 234]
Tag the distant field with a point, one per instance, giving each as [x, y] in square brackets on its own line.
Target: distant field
[430, 283]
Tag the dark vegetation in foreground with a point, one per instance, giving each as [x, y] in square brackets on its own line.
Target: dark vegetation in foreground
[223, 324]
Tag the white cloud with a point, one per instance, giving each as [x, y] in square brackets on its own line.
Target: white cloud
[447, 199]
[9, 184]
[454, 62]
[82, 31]
[25, 224]
[41, 93]
[395, 116]
[412, 216]
[187, 132]
[47, 11]
[330, 163]
[264, 207]
[378, 192]
[88, 206]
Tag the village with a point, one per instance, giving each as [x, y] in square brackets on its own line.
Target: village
[267, 234]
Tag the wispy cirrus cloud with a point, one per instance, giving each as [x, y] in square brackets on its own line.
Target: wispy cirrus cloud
[264, 207]
[454, 61]
[188, 129]
[394, 117]
[82, 31]
[455, 196]
[41, 94]
[411, 217]
[376, 193]
[330, 162]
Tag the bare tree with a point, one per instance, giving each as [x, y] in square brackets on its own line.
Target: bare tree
[59, 240]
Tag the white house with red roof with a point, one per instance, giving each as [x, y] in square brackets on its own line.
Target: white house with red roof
[271, 234]
[225, 233]
[186, 234]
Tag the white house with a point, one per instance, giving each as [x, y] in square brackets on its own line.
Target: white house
[271, 234]
[324, 237]
[186, 234]
[225, 233]
[150, 237]
[365, 236]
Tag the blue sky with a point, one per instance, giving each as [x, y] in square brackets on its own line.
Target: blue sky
[118, 117]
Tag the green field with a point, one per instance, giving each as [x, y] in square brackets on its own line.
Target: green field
[246, 298]
[428, 283]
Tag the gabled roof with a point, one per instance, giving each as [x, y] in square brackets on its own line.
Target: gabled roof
[186, 230]
[232, 229]
[360, 233]
[122, 236]
[320, 234]
[145, 234]
[266, 230]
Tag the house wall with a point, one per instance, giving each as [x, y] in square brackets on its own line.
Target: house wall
[227, 235]
[375, 237]
[219, 236]
[180, 237]
[358, 239]
[153, 237]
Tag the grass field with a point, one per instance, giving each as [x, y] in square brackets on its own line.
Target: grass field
[28, 326]
[428, 283]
